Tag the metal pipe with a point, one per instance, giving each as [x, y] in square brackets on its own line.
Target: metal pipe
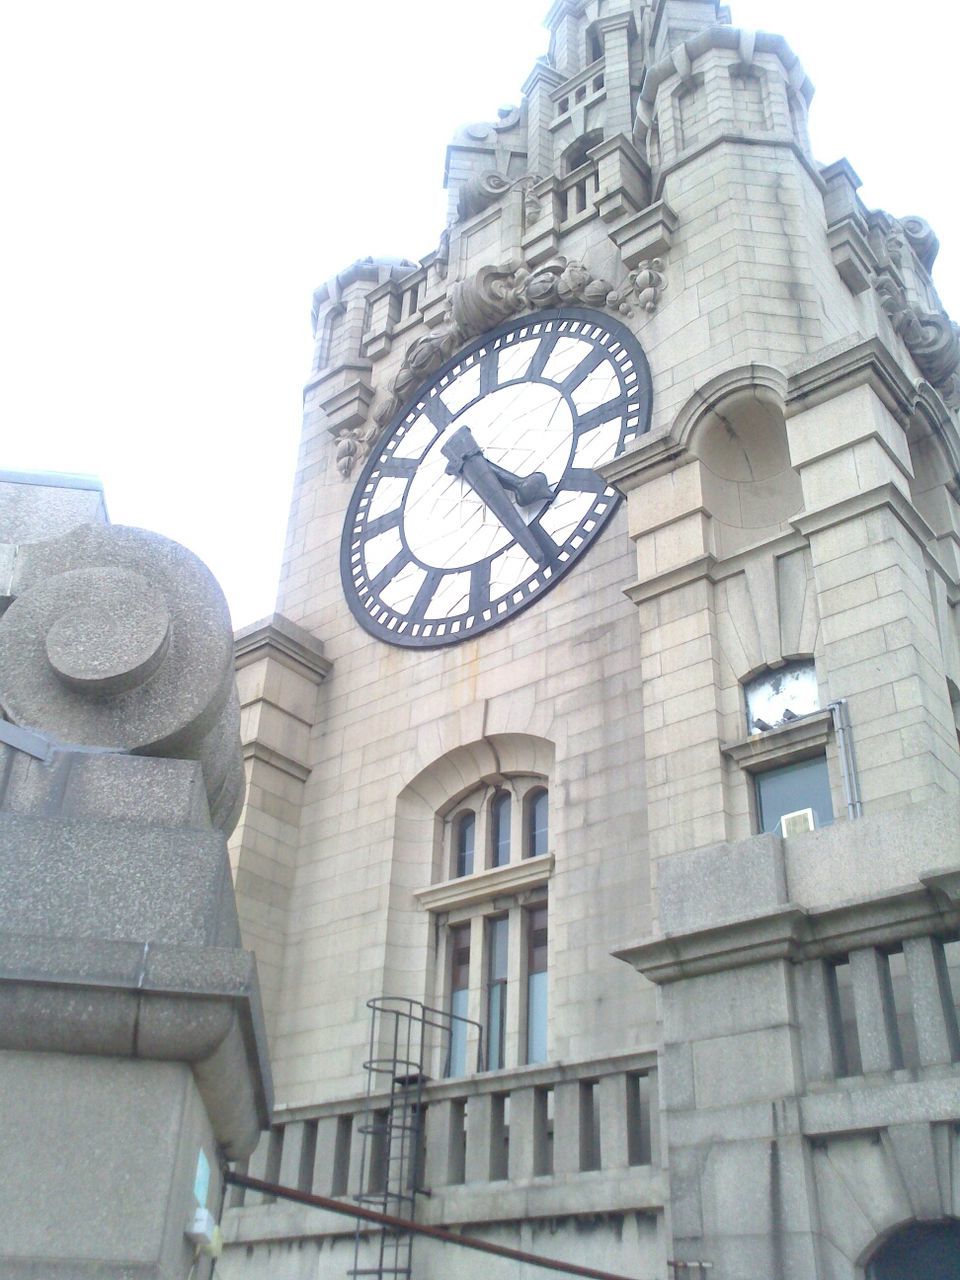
[417, 1228]
[848, 768]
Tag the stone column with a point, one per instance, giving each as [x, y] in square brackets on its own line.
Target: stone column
[280, 668]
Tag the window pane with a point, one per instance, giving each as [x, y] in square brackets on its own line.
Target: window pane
[500, 827]
[537, 984]
[457, 1065]
[465, 833]
[537, 1017]
[795, 786]
[459, 998]
[496, 991]
[536, 824]
[776, 697]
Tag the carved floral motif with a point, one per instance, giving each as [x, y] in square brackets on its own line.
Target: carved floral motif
[496, 293]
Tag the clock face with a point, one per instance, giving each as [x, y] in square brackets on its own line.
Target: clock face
[482, 493]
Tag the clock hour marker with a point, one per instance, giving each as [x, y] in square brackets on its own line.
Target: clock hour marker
[544, 352]
[600, 385]
[423, 597]
[398, 466]
[389, 520]
[400, 593]
[480, 586]
[595, 357]
[582, 480]
[390, 570]
[488, 372]
[438, 413]
[566, 355]
[603, 413]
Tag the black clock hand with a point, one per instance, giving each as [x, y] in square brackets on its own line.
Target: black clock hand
[529, 489]
[466, 459]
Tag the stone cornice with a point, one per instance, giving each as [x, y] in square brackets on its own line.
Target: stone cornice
[291, 645]
[199, 1005]
[795, 933]
[784, 743]
[515, 878]
[868, 363]
[724, 37]
[739, 139]
[859, 504]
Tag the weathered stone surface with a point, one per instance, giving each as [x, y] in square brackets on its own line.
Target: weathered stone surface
[121, 639]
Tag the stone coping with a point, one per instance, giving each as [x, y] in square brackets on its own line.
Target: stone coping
[155, 1001]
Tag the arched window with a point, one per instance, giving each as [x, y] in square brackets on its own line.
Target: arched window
[535, 830]
[464, 842]
[927, 1249]
[500, 829]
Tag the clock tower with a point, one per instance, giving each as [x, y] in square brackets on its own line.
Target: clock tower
[600, 845]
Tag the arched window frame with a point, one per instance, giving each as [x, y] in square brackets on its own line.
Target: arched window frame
[500, 826]
[536, 809]
[464, 848]
[496, 907]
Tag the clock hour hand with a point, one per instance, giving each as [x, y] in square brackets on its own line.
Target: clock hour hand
[465, 458]
[529, 489]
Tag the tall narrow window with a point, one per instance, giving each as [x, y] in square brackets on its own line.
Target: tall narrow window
[535, 823]
[496, 991]
[465, 835]
[537, 983]
[459, 999]
[500, 829]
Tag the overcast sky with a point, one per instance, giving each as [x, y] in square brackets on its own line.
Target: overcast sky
[179, 176]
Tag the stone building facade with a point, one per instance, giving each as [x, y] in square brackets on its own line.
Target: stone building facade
[653, 794]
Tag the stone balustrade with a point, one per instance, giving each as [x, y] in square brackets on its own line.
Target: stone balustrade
[558, 1139]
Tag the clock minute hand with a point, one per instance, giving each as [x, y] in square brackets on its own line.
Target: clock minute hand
[465, 458]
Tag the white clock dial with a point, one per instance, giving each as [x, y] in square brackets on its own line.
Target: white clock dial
[484, 491]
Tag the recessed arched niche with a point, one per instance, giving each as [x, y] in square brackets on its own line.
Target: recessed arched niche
[921, 1249]
[749, 486]
[935, 482]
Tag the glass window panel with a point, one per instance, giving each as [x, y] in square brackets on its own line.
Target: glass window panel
[496, 991]
[500, 829]
[459, 998]
[466, 833]
[794, 786]
[537, 984]
[457, 1065]
[537, 1017]
[536, 824]
[776, 697]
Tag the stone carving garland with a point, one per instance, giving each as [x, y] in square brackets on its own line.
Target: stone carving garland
[931, 337]
[495, 294]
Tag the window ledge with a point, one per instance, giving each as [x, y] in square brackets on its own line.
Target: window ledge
[787, 742]
[514, 878]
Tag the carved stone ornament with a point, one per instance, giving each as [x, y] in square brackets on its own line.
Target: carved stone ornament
[353, 445]
[484, 189]
[496, 293]
[931, 338]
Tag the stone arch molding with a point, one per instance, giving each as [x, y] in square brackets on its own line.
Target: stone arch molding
[432, 789]
[733, 429]
[440, 784]
[867, 1190]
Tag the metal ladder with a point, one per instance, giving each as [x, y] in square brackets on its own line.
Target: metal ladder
[391, 1173]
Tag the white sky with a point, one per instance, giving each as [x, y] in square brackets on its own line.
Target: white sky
[179, 176]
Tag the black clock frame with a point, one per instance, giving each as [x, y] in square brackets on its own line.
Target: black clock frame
[642, 398]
